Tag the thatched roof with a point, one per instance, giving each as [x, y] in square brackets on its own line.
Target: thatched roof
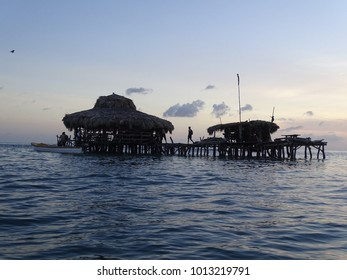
[115, 112]
[248, 131]
[252, 125]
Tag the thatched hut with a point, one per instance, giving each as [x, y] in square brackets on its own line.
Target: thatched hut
[248, 131]
[115, 119]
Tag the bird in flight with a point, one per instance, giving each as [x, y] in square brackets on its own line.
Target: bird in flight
[12, 51]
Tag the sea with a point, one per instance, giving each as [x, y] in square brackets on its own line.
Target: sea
[92, 207]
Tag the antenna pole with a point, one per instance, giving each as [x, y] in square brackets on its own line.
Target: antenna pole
[238, 86]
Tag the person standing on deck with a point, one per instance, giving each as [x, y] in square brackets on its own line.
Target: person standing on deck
[190, 134]
[63, 139]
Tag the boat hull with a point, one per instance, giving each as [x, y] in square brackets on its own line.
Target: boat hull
[42, 147]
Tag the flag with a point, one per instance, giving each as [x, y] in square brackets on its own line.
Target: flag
[238, 79]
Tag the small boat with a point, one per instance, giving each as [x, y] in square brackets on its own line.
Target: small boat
[42, 147]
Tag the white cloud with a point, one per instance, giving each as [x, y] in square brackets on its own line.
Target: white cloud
[209, 87]
[185, 110]
[220, 109]
[291, 128]
[137, 90]
[247, 107]
[309, 113]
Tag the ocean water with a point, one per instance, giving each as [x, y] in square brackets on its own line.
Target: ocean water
[56, 206]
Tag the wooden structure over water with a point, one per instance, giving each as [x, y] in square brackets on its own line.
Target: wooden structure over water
[281, 149]
[114, 126]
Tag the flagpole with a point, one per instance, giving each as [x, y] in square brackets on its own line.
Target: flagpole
[238, 85]
[240, 127]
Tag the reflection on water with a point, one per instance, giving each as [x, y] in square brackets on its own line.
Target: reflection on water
[89, 207]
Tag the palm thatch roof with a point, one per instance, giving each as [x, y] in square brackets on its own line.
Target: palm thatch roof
[246, 131]
[115, 112]
[253, 125]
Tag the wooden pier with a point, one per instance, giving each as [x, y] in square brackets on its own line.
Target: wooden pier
[114, 126]
[280, 149]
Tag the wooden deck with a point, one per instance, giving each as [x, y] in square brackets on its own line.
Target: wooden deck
[281, 149]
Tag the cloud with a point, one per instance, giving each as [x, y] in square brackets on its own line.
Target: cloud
[247, 107]
[26, 102]
[1, 88]
[333, 137]
[309, 113]
[139, 90]
[185, 110]
[291, 128]
[209, 87]
[220, 109]
[285, 119]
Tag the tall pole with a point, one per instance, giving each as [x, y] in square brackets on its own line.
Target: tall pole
[240, 128]
[238, 86]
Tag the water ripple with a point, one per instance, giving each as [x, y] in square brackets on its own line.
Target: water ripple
[56, 206]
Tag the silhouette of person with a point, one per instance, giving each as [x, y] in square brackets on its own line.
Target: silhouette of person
[63, 139]
[190, 134]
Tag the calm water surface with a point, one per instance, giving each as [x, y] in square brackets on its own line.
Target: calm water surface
[55, 206]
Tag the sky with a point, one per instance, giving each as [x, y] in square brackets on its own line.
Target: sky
[177, 60]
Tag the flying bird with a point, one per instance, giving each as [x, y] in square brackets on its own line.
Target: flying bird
[12, 51]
